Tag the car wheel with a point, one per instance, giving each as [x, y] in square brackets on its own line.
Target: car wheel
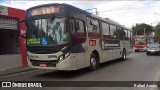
[136, 50]
[147, 53]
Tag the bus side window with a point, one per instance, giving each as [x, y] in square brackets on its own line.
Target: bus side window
[126, 34]
[93, 28]
[78, 31]
[77, 28]
[80, 28]
[129, 35]
[113, 31]
[105, 29]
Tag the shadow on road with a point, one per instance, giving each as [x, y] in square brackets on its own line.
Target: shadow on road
[105, 64]
[153, 55]
[73, 74]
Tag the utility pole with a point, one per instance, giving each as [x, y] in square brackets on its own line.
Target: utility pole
[144, 31]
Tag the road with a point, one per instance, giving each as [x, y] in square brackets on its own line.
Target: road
[137, 67]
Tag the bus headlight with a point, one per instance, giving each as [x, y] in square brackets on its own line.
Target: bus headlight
[67, 54]
[61, 58]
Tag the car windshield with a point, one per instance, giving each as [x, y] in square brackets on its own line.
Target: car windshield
[153, 46]
[150, 42]
[47, 32]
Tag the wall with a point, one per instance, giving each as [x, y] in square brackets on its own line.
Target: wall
[8, 42]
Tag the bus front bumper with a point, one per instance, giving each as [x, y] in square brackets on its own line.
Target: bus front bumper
[144, 49]
[67, 64]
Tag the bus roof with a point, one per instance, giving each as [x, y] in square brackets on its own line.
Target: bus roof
[82, 11]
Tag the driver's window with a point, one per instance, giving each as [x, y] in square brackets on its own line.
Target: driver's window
[78, 27]
[93, 28]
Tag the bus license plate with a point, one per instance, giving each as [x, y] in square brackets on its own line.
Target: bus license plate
[43, 65]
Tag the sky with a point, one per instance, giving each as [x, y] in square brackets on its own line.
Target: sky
[125, 12]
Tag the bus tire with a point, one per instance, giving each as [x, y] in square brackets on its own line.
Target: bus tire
[123, 55]
[93, 62]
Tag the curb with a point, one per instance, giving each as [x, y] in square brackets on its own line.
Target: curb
[16, 70]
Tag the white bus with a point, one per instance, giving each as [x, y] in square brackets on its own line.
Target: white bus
[63, 37]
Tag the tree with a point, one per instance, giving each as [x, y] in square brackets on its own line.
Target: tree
[139, 29]
[157, 33]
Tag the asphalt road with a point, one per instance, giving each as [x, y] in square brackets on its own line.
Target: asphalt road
[137, 67]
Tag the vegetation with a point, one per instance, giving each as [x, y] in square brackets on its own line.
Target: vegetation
[157, 33]
[138, 29]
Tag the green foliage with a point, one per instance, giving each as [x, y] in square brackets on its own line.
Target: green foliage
[157, 33]
[139, 29]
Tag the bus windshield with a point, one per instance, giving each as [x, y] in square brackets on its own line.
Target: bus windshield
[140, 41]
[47, 31]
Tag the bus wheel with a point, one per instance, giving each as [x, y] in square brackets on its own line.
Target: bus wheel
[124, 55]
[93, 62]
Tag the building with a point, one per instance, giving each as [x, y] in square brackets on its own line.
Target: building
[12, 47]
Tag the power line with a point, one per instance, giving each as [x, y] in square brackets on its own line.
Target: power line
[124, 6]
[131, 9]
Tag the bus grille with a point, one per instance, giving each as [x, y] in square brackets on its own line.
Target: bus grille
[48, 63]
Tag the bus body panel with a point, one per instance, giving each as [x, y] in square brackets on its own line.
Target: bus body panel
[81, 48]
[73, 62]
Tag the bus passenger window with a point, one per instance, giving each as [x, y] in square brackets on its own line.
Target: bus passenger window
[122, 34]
[118, 33]
[113, 31]
[93, 28]
[105, 28]
[129, 35]
[126, 34]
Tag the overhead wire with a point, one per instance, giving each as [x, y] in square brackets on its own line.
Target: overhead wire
[130, 9]
[124, 6]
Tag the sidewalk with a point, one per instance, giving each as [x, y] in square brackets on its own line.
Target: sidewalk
[15, 70]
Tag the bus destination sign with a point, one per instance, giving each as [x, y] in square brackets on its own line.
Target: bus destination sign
[3, 10]
[45, 10]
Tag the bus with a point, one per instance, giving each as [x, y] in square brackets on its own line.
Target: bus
[140, 43]
[63, 37]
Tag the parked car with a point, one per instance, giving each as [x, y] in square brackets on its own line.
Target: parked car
[153, 49]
